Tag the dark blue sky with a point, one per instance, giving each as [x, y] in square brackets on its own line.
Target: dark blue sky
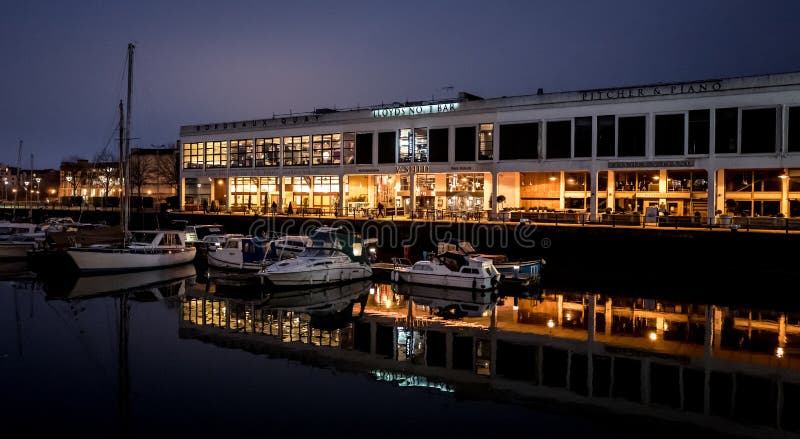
[203, 61]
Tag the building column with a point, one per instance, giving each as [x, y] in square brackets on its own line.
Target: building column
[593, 195]
[612, 187]
[662, 190]
[412, 193]
[560, 309]
[228, 194]
[495, 183]
[785, 193]
[258, 194]
[561, 189]
[280, 194]
[712, 195]
[609, 317]
[181, 193]
[341, 194]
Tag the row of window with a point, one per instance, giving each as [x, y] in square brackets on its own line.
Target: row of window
[736, 130]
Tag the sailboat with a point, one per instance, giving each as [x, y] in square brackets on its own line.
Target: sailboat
[139, 250]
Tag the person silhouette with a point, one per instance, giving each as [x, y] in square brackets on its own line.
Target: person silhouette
[290, 210]
[380, 210]
[274, 208]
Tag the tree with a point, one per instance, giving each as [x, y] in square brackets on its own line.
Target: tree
[104, 172]
[167, 169]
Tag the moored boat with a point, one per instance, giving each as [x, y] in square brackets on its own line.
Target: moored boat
[451, 270]
[145, 250]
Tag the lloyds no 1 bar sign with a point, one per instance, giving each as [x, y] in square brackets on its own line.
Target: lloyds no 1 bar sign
[415, 110]
[651, 91]
[652, 164]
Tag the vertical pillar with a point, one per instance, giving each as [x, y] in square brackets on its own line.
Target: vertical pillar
[593, 178]
[785, 194]
[280, 193]
[662, 189]
[560, 309]
[495, 183]
[228, 194]
[340, 207]
[561, 189]
[609, 317]
[258, 194]
[717, 337]
[181, 192]
[412, 193]
[782, 331]
[612, 187]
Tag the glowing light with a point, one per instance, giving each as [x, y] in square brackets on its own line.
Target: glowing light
[779, 352]
[552, 178]
[551, 323]
[783, 176]
[515, 307]
[372, 290]
[666, 326]
[652, 336]
[568, 316]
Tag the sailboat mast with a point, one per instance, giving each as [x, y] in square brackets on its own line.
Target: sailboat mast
[128, 137]
[122, 132]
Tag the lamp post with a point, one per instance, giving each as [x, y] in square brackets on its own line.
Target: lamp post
[38, 180]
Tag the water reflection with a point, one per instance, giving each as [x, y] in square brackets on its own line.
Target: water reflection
[685, 359]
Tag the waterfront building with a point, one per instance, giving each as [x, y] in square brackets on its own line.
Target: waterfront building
[696, 148]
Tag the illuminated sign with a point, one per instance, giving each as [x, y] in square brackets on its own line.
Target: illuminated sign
[415, 110]
[412, 168]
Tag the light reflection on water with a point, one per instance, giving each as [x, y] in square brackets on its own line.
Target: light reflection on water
[190, 346]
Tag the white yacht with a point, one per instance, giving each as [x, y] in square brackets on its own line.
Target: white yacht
[145, 250]
[334, 255]
[450, 270]
[216, 242]
[239, 253]
[530, 267]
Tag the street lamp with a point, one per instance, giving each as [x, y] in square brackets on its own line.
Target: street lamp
[38, 180]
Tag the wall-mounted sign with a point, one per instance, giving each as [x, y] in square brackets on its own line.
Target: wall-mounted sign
[408, 169]
[653, 164]
[657, 90]
[415, 110]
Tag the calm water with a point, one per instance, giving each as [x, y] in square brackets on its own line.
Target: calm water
[173, 352]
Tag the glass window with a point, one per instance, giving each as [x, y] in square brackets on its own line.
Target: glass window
[632, 136]
[576, 181]
[669, 134]
[296, 150]
[699, 131]
[326, 149]
[268, 151]
[794, 129]
[438, 144]
[364, 148]
[413, 145]
[486, 141]
[269, 184]
[386, 147]
[519, 141]
[192, 155]
[583, 136]
[349, 148]
[465, 144]
[216, 154]
[242, 153]
[420, 145]
[559, 139]
[605, 136]
[726, 130]
[758, 130]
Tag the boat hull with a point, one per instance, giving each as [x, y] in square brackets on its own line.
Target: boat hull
[332, 274]
[221, 259]
[93, 260]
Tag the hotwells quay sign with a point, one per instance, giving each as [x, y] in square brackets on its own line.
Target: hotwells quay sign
[658, 90]
[415, 110]
[652, 164]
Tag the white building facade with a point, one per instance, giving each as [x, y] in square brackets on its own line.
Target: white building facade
[696, 148]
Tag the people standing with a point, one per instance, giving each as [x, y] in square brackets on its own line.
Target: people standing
[274, 208]
[290, 210]
[380, 210]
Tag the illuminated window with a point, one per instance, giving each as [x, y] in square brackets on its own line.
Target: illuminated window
[241, 153]
[268, 151]
[486, 142]
[269, 184]
[192, 155]
[349, 148]
[326, 149]
[216, 154]
[413, 145]
[296, 150]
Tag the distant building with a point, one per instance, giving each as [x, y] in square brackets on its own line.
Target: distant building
[153, 174]
[27, 184]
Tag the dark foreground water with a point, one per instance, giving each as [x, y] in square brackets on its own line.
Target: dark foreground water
[172, 353]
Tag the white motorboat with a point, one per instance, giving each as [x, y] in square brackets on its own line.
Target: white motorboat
[195, 234]
[239, 253]
[216, 242]
[335, 255]
[531, 268]
[17, 239]
[146, 250]
[450, 270]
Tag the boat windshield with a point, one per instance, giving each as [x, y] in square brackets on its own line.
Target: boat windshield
[142, 238]
[313, 252]
[467, 247]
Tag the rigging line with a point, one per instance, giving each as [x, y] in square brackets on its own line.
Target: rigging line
[118, 94]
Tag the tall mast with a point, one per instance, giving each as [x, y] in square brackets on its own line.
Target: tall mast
[128, 134]
[122, 194]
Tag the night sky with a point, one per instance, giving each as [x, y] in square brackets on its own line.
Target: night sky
[203, 61]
